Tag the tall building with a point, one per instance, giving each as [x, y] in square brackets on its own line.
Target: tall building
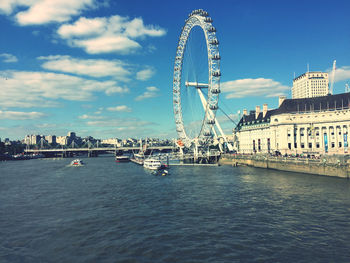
[32, 139]
[72, 135]
[62, 140]
[310, 85]
[51, 139]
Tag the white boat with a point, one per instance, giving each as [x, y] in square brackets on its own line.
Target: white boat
[122, 158]
[138, 158]
[152, 163]
[77, 162]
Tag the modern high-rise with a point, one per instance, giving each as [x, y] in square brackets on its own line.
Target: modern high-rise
[310, 85]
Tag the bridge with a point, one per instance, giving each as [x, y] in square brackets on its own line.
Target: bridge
[92, 152]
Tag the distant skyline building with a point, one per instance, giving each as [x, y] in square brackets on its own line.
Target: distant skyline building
[32, 139]
[310, 85]
[51, 139]
[62, 140]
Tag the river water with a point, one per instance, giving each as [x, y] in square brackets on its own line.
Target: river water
[119, 212]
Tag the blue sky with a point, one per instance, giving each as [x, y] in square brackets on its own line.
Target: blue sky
[105, 68]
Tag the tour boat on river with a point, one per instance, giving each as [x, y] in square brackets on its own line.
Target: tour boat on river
[152, 163]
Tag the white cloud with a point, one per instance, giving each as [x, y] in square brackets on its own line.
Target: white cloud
[152, 89]
[108, 34]
[112, 90]
[253, 87]
[341, 74]
[83, 27]
[145, 74]
[120, 108]
[89, 67]
[122, 128]
[42, 89]
[91, 117]
[9, 6]
[47, 11]
[17, 115]
[121, 124]
[107, 44]
[46, 125]
[8, 58]
[150, 92]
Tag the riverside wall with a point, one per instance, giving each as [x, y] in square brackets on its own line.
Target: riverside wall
[338, 166]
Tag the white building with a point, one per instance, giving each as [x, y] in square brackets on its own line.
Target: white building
[317, 125]
[62, 140]
[112, 141]
[310, 85]
[32, 139]
[51, 139]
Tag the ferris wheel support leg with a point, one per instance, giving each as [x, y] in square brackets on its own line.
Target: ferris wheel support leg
[204, 104]
[195, 157]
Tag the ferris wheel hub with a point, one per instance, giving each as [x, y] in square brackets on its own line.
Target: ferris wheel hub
[196, 84]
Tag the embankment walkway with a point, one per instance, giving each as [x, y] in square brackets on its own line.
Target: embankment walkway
[338, 166]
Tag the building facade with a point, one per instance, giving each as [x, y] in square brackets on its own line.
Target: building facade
[310, 85]
[51, 139]
[311, 126]
[32, 139]
[62, 140]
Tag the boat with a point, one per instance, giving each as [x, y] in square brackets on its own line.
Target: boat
[138, 158]
[77, 162]
[152, 163]
[160, 172]
[122, 159]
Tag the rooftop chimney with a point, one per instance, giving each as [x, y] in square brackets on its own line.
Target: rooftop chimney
[280, 100]
[245, 112]
[264, 110]
[257, 111]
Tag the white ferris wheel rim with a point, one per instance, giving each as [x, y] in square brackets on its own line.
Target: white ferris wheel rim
[198, 18]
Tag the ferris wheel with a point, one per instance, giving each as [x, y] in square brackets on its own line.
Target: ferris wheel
[206, 89]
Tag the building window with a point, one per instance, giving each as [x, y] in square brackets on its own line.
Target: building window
[302, 145]
[310, 145]
[339, 144]
[317, 145]
[289, 146]
[295, 145]
[333, 145]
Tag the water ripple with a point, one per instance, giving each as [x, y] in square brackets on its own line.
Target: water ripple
[107, 212]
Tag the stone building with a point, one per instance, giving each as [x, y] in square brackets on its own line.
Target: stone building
[298, 126]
